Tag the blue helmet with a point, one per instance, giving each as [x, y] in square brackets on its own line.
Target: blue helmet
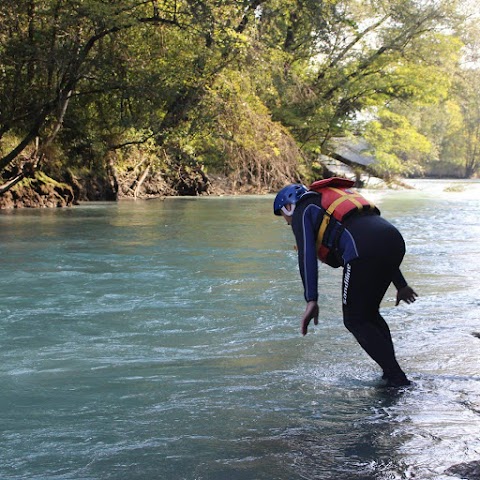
[288, 195]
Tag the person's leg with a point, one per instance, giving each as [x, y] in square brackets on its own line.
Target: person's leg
[383, 327]
[365, 282]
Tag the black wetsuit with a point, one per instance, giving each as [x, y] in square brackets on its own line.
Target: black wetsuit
[371, 250]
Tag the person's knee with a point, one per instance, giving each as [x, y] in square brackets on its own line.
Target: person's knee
[358, 319]
[353, 322]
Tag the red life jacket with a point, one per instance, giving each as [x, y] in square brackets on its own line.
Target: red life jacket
[340, 201]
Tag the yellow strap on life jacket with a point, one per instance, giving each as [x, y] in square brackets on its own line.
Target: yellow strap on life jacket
[352, 197]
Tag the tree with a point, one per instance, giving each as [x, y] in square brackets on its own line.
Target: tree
[45, 54]
[399, 148]
[446, 112]
[467, 92]
[54, 52]
[247, 87]
[362, 56]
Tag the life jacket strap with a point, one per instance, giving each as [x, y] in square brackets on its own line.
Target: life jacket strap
[344, 196]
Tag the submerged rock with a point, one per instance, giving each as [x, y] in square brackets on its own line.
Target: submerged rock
[467, 471]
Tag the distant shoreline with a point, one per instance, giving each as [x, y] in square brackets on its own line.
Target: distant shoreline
[59, 195]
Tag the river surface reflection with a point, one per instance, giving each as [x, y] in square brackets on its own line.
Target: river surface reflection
[160, 340]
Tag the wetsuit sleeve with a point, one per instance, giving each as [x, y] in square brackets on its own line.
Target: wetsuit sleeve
[305, 236]
[398, 279]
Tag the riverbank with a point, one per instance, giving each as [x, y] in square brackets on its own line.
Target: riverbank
[42, 191]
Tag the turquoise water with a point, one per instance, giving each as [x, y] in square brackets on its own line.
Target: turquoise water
[160, 340]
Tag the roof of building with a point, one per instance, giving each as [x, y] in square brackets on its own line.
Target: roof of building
[352, 150]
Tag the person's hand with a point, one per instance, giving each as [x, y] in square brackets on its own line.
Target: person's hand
[407, 294]
[311, 312]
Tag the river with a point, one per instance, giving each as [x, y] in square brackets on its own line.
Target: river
[160, 340]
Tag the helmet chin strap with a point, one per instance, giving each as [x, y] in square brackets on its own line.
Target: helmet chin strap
[288, 213]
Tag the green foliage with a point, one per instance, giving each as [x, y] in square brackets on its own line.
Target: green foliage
[467, 94]
[399, 148]
[248, 88]
[238, 137]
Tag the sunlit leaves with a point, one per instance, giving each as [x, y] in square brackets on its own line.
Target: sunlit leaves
[194, 73]
[397, 143]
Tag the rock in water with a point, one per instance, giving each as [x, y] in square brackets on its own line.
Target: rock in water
[467, 471]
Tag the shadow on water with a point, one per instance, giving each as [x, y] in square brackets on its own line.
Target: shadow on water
[357, 430]
[357, 442]
[468, 471]
[347, 433]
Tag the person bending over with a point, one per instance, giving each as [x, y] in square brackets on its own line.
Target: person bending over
[333, 223]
